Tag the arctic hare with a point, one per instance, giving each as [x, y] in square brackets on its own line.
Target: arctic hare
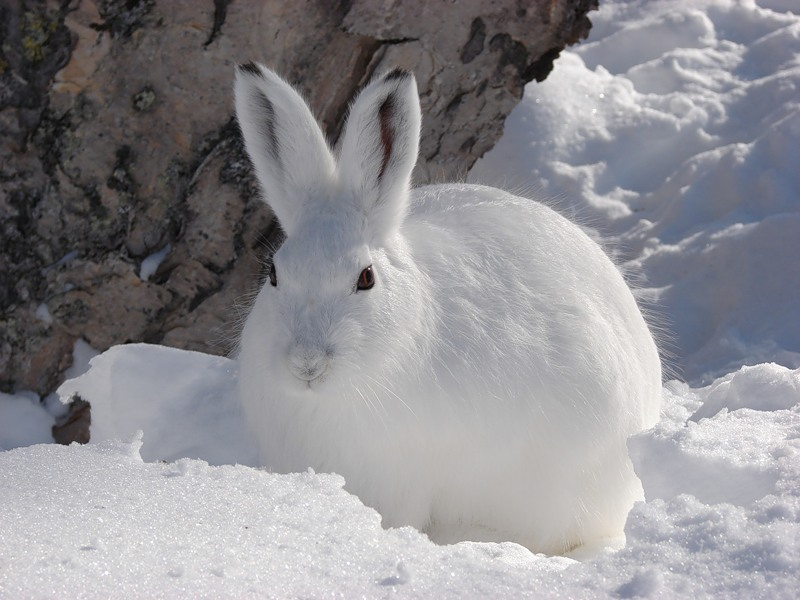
[470, 361]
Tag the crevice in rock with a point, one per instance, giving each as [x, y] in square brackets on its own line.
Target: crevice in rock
[454, 104]
[474, 45]
[512, 52]
[540, 69]
[203, 294]
[220, 13]
[19, 278]
[120, 179]
[186, 178]
[397, 41]
[122, 17]
[50, 137]
[75, 426]
[361, 73]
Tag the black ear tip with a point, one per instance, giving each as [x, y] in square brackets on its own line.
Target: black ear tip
[251, 68]
[397, 74]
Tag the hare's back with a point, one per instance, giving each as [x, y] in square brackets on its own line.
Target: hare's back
[508, 240]
[524, 291]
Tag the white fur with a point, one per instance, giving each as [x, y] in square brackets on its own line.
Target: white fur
[485, 387]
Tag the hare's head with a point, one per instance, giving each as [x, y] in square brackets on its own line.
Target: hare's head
[339, 287]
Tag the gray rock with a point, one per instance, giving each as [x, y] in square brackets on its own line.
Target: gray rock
[118, 140]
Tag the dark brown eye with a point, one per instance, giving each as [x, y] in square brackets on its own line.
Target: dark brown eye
[366, 280]
[273, 278]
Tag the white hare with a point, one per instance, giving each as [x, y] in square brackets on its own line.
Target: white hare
[470, 361]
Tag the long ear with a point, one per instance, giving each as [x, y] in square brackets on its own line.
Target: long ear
[379, 149]
[284, 141]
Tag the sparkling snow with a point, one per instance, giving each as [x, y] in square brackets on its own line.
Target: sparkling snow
[674, 131]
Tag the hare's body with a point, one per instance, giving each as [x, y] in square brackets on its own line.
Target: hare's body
[470, 361]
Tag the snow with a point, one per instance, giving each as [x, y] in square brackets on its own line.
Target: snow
[43, 314]
[724, 443]
[674, 132]
[185, 403]
[23, 421]
[150, 263]
[116, 526]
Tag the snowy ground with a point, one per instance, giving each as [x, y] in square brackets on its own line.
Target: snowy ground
[675, 132]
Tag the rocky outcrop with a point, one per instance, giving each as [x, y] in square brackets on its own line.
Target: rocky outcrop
[118, 143]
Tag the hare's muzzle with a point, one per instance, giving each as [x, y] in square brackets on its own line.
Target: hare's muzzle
[308, 364]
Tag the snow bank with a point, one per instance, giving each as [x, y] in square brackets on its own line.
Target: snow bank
[185, 402]
[675, 131]
[732, 442]
[97, 521]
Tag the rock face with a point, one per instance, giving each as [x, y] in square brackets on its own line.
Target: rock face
[118, 142]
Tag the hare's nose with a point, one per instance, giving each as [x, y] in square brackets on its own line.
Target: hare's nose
[307, 364]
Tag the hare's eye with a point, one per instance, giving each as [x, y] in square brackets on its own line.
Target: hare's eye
[273, 278]
[366, 280]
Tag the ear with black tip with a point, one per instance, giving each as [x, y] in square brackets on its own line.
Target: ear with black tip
[285, 144]
[379, 148]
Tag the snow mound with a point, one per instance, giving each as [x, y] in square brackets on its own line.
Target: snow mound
[762, 387]
[96, 521]
[732, 442]
[184, 401]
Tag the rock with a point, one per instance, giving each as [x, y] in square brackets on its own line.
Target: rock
[75, 425]
[471, 62]
[118, 142]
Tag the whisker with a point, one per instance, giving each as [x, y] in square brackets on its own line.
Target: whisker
[386, 388]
